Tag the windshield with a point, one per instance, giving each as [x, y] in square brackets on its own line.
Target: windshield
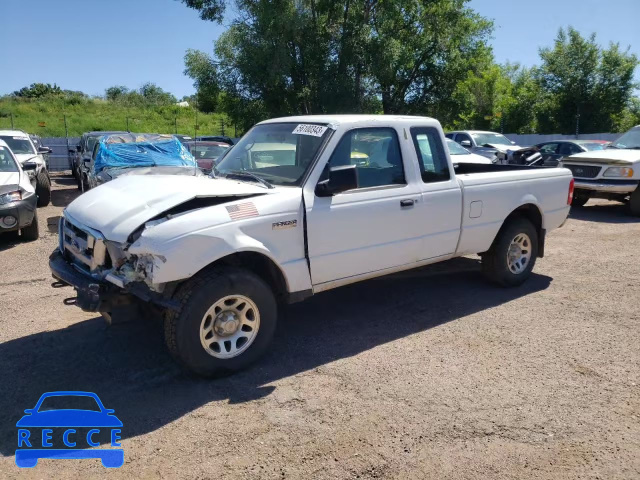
[594, 146]
[456, 148]
[279, 153]
[495, 138]
[18, 145]
[69, 402]
[631, 139]
[7, 164]
[208, 151]
[91, 142]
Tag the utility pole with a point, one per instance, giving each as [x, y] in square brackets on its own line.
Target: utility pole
[11, 114]
[128, 125]
[222, 126]
[577, 121]
[66, 131]
[175, 123]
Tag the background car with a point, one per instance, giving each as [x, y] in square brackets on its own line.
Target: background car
[459, 154]
[17, 196]
[554, 150]
[45, 151]
[488, 144]
[25, 151]
[207, 153]
[121, 154]
[183, 138]
[83, 152]
[215, 138]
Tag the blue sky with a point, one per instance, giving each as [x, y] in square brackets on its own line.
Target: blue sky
[90, 45]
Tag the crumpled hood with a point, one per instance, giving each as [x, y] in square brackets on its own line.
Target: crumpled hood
[9, 182]
[118, 207]
[609, 156]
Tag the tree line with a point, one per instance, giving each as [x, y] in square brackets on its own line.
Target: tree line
[424, 57]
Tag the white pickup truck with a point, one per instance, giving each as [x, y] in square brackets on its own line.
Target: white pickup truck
[612, 173]
[298, 206]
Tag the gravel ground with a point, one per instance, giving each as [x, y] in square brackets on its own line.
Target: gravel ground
[426, 374]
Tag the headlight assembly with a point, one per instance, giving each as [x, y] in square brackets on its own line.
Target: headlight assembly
[618, 172]
[10, 197]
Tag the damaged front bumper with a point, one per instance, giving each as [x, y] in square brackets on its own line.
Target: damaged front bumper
[95, 295]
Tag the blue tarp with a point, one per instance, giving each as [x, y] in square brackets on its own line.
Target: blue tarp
[141, 150]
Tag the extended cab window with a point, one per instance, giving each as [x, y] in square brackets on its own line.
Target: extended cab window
[376, 154]
[431, 157]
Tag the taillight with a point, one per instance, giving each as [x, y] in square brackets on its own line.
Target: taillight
[571, 188]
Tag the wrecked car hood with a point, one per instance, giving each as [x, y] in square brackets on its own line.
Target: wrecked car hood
[118, 207]
[609, 156]
[503, 148]
[9, 182]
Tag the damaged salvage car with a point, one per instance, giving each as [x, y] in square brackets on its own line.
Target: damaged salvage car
[122, 154]
[17, 196]
[298, 206]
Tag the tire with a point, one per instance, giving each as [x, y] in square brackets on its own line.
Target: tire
[579, 199]
[634, 203]
[32, 231]
[495, 263]
[43, 188]
[185, 328]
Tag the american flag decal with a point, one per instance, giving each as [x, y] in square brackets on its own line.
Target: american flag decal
[242, 210]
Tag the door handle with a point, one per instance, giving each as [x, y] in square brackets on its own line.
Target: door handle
[407, 203]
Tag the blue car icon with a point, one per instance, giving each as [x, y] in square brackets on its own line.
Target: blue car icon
[54, 410]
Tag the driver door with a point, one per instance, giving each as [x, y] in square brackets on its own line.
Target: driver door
[373, 227]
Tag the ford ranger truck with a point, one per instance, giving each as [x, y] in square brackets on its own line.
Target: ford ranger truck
[612, 173]
[298, 206]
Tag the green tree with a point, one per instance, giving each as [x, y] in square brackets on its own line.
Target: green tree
[583, 82]
[116, 93]
[284, 57]
[200, 67]
[38, 90]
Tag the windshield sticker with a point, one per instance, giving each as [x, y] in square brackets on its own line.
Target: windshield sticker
[313, 130]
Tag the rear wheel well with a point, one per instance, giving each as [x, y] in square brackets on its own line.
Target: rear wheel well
[532, 213]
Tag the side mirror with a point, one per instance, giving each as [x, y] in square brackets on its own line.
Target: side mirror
[86, 162]
[340, 179]
[26, 166]
[466, 143]
[29, 411]
[72, 150]
[513, 143]
[44, 150]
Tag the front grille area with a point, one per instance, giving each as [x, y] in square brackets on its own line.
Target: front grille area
[584, 171]
[87, 250]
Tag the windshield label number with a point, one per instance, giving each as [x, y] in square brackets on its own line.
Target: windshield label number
[313, 130]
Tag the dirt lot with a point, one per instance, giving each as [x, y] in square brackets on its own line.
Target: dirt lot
[427, 374]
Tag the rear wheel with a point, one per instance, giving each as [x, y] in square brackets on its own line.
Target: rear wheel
[634, 203]
[32, 231]
[579, 199]
[512, 256]
[43, 188]
[226, 320]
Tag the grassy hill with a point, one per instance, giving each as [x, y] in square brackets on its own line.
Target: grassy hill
[45, 117]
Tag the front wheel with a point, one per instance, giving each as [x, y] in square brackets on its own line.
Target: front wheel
[579, 199]
[32, 231]
[511, 258]
[634, 203]
[226, 320]
[43, 188]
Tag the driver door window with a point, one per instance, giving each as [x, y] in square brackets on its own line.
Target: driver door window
[376, 154]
